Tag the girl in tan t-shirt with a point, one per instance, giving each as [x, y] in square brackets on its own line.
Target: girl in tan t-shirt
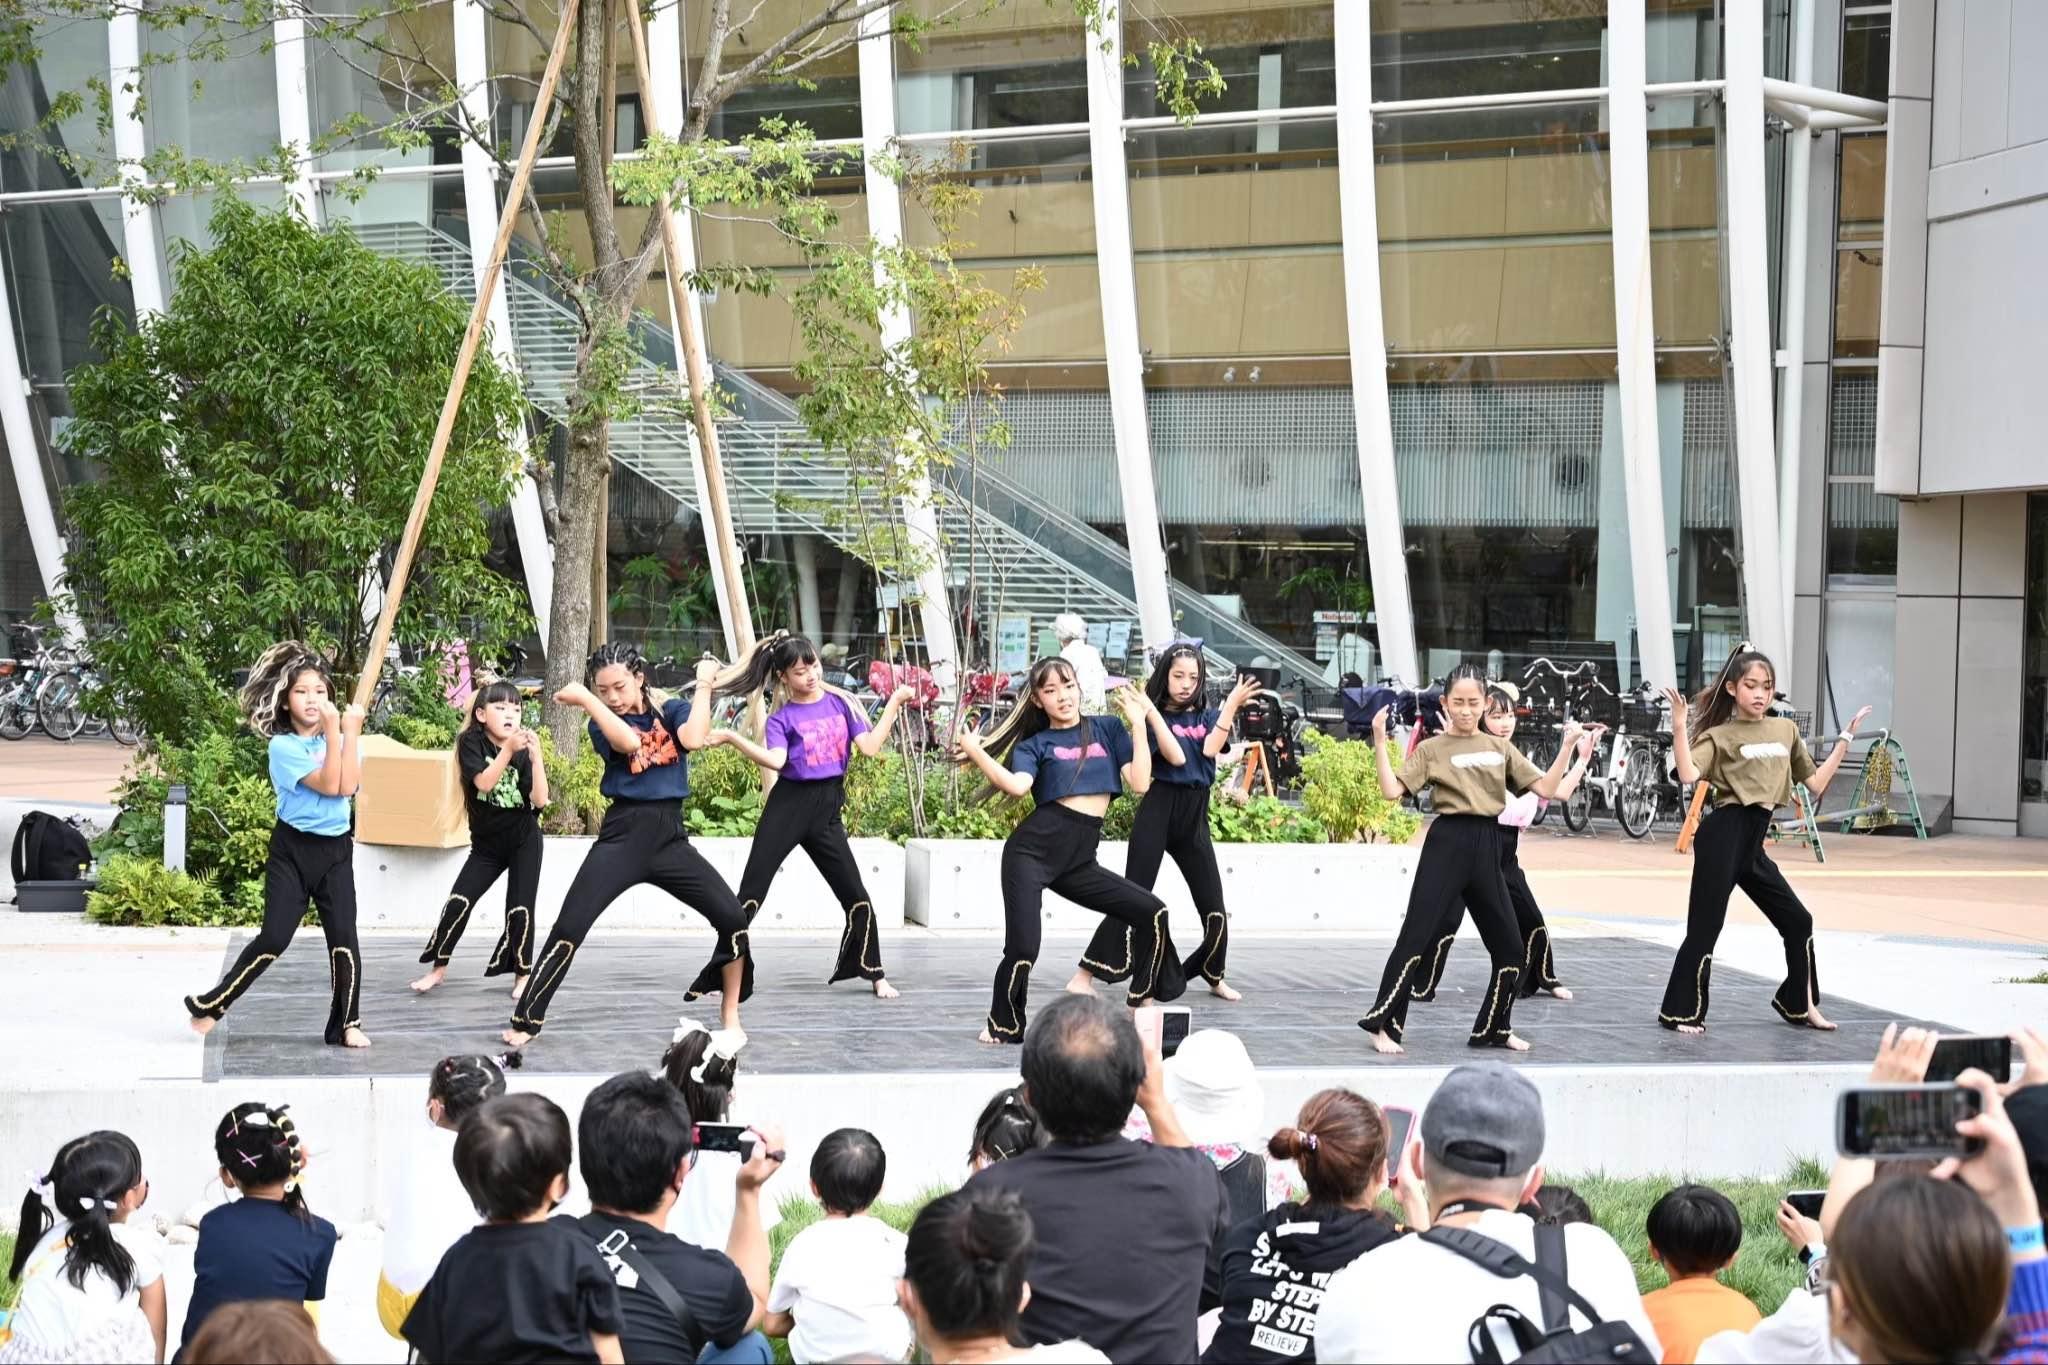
[1469, 774]
[1751, 759]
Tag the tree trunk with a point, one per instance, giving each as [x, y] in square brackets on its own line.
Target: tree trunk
[583, 502]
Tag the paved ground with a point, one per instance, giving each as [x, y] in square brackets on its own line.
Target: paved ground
[1300, 1007]
[81, 770]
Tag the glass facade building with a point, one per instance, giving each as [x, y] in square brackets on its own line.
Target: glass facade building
[1493, 396]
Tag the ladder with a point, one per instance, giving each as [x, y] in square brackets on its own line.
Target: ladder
[1884, 768]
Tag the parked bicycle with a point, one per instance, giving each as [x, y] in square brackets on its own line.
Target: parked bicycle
[64, 707]
[24, 678]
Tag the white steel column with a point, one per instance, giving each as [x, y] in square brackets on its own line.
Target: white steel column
[138, 220]
[480, 199]
[37, 508]
[1635, 338]
[1358, 200]
[295, 108]
[1792, 387]
[1750, 351]
[885, 228]
[1123, 358]
[662, 108]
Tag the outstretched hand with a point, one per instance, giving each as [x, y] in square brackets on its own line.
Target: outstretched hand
[1241, 691]
[1379, 723]
[708, 669]
[1902, 1057]
[1678, 703]
[1855, 723]
[1133, 703]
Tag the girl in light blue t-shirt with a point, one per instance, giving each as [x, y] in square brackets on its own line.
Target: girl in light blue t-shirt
[316, 764]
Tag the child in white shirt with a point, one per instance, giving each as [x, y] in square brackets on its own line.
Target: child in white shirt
[89, 1286]
[835, 1294]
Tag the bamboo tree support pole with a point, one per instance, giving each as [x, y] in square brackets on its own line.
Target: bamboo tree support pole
[688, 342]
[415, 523]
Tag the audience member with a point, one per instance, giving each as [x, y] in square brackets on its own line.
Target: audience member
[520, 1286]
[1797, 1333]
[425, 1207]
[963, 1287]
[635, 1137]
[1275, 1262]
[699, 1065]
[1124, 1229]
[1695, 1233]
[1006, 1127]
[1090, 673]
[1215, 1092]
[1481, 1162]
[266, 1244]
[1918, 1271]
[87, 1285]
[258, 1332]
[1558, 1205]
[835, 1293]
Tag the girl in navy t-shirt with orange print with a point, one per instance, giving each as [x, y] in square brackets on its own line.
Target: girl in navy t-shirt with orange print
[1073, 766]
[645, 744]
[1174, 818]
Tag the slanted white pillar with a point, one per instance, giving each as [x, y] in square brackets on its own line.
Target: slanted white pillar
[885, 227]
[1636, 341]
[38, 509]
[1122, 354]
[1358, 202]
[1750, 350]
[480, 198]
[138, 219]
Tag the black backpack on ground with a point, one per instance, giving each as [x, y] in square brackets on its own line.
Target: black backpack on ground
[47, 849]
[1554, 1340]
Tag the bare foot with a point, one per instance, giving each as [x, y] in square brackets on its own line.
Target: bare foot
[1222, 991]
[1558, 992]
[885, 991]
[515, 1038]
[1516, 1044]
[1384, 1044]
[1081, 983]
[354, 1037]
[984, 1038]
[518, 986]
[432, 979]
[1816, 1020]
[202, 1024]
[1691, 1030]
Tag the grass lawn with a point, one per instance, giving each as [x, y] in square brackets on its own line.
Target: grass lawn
[1766, 1270]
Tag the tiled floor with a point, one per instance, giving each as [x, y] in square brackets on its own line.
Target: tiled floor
[1301, 1002]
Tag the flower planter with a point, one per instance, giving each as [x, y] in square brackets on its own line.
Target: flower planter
[404, 888]
[956, 884]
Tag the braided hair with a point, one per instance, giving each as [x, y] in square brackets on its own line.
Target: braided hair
[463, 1083]
[86, 1181]
[264, 696]
[259, 1145]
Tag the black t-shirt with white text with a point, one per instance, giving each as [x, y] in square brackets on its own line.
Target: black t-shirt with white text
[711, 1285]
[515, 1292]
[1275, 1267]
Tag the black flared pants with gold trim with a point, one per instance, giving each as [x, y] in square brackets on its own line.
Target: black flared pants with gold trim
[1460, 862]
[1727, 852]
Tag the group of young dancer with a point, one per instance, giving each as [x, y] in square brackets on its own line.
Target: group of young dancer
[1164, 750]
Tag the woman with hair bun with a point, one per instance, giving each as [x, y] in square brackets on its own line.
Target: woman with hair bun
[963, 1285]
[1280, 1258]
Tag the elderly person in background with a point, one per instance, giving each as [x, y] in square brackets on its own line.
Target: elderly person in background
[1089, 670]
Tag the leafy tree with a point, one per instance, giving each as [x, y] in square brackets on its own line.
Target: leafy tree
[256, 450]
[750, 46]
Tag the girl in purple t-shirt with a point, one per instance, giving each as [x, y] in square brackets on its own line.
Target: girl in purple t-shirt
[805, 748]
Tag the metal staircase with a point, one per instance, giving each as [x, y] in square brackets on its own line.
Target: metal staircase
[1021, 553]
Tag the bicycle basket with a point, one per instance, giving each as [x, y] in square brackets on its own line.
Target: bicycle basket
[1642, 718]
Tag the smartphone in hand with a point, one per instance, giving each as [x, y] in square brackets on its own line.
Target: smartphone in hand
[725, 1137]
[1901, 1122]
[1806, 1203]
[1990, 1053]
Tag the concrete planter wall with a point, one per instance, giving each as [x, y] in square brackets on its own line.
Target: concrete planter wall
[956, 884]
[404, 888]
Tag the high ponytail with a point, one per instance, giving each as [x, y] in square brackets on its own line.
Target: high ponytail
[762, 670]
[1715, 704]
[966, 1257]
[86, 1182]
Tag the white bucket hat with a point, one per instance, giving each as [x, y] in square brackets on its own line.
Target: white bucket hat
[1215, 1090]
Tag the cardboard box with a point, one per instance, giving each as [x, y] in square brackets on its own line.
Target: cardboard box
[410, 796]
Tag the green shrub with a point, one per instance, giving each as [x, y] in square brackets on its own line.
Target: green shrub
[419, 715]
[725, 794]
[1341, 792]
[230, 809]
[575, 805]
[134, 890]
[1262, 820]
[877, 796]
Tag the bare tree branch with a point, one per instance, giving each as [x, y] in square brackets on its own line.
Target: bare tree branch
[835, 12]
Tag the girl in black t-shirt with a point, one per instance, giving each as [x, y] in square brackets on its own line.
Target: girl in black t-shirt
[645, 741]
[1173, 818]
[1073, 766]
[505, 786]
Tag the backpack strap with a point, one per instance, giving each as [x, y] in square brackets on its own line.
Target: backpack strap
[28, 845]
[615, 1245]
[1498, 1258]
[1550, 1256]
